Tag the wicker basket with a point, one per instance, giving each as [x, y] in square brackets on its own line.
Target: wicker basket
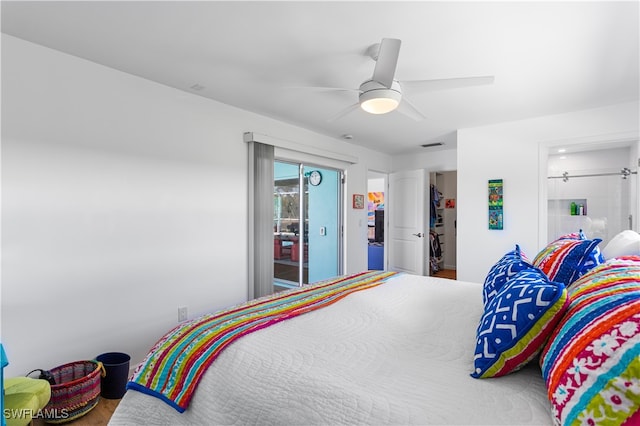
[76, 392]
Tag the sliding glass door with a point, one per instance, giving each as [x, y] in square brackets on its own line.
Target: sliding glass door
[288, 195]
[306, 224]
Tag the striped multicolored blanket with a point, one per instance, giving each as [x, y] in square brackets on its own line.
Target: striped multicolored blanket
[172, 369]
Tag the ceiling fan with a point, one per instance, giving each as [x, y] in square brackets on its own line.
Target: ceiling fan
[383, 93]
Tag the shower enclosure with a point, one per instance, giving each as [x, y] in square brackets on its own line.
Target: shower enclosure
[595, 191]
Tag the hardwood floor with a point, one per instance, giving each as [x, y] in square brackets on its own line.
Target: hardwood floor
[287, 270]
[98, 416]
[446, 273]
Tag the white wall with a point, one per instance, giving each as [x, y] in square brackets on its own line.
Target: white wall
[634, 196]
[376, 185]
[512, 152]
[356, 232]
[432, 161]
[121, 200]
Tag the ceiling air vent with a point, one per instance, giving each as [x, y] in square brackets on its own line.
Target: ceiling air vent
[429, 145]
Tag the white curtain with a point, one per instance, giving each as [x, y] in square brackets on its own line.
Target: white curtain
[260, 219]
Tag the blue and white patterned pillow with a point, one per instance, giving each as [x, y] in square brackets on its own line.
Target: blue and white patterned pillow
[509, 265]
[517, 323]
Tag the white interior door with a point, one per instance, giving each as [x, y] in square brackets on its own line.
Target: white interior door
[406, 237]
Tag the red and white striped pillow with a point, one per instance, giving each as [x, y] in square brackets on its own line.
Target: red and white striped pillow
[591, 363]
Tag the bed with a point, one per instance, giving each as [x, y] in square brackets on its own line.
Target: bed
[398, 353]
[403, 351]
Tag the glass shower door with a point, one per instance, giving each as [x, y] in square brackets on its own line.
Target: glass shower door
[600, 201]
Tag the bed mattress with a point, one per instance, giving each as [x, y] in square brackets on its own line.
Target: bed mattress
[398, 353]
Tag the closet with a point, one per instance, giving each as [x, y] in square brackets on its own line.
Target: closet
[442, 221]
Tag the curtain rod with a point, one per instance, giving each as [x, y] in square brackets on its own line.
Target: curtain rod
[295, 146]
[624, 173]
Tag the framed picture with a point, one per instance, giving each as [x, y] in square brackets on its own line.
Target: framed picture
[496, 204]
[358, 201]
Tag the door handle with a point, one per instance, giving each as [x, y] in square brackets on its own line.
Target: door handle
[419, 235]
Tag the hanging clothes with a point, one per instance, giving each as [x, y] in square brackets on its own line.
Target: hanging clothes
[436, 248]
[435, 197]
[435, 252]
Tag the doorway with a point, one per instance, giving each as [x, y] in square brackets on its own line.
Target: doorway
[412, 219]
[443, 223]
[307, 224]
[376, 190]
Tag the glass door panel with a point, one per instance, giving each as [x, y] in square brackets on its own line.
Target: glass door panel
[286, 224]
[306, 224]
[596, 200]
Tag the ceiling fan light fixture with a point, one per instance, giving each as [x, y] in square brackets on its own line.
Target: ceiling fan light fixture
[379, 104]
[378, 99]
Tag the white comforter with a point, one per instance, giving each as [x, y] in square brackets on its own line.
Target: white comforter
[400, 353]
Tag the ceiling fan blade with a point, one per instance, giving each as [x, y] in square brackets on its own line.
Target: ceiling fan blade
[343, 112]
[410, 110]
[322, 89]
[417, 86]
[387, 60]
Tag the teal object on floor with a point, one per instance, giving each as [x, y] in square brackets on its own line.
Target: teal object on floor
[3, 363]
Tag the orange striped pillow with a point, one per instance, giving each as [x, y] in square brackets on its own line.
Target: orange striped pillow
[591, 363]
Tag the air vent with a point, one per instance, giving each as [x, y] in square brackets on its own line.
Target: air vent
[429, 145]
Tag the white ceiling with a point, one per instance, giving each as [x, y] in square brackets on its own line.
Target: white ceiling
[547, 57]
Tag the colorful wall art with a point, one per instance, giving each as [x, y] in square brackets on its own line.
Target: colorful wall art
[495, 204]
[358, 201]
[376, 202]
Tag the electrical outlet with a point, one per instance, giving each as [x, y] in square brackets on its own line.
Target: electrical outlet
[182, 313]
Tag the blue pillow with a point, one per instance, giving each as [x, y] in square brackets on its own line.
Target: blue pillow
[517, 323]
[509, 265]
